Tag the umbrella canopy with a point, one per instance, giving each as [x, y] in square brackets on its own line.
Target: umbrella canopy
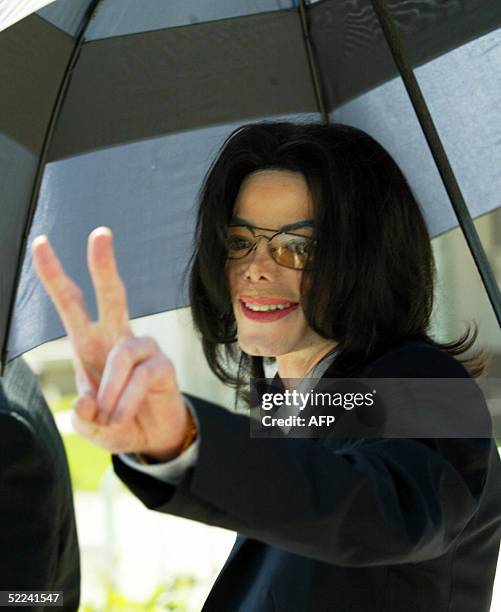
[111, 112]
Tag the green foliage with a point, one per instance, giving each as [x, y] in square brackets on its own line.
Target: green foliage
[171, 596]
[87, 462]
[65, 403]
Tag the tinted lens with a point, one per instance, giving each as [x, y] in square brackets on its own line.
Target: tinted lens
[287, 249]
[239, 241]
[292, 251]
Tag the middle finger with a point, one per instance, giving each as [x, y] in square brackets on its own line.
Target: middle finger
[110, 291]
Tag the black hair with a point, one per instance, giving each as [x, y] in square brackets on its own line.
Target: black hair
[374, 271]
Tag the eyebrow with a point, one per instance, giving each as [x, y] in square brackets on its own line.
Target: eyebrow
[284, 228]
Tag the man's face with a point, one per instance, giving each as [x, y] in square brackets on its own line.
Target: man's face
[271, 199]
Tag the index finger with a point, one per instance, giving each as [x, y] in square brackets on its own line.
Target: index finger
[65, 294]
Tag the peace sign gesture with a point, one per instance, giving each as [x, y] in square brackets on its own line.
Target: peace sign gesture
[128, 396]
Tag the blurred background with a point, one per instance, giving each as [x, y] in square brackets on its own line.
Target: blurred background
[169, 563]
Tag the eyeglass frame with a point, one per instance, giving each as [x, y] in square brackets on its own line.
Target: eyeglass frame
[310, 240]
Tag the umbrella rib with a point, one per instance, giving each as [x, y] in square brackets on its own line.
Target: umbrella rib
[439, 155]
[313, 64]
[39, 173]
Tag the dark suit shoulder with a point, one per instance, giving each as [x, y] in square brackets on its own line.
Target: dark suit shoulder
[416, 359]
[16, 423]
[20, 442]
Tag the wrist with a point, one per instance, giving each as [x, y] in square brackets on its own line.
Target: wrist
[190, 434]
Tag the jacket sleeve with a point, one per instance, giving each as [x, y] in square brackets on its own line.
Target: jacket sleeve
[360, 503]
[28, 541]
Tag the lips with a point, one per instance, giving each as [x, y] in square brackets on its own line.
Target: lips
[264, 301]
[266, 316]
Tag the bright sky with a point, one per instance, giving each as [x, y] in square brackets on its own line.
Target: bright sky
[12, 11]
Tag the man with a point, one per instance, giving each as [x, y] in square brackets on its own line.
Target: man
[328, 269]
[38, 537]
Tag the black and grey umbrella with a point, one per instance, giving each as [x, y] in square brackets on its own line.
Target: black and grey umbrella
[111, 111]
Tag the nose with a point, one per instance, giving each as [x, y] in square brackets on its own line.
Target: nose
[264, 244]
[259, 263]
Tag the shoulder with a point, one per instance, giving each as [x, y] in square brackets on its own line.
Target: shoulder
[21, 395]
[14, 420]
[20, 442]
[445, 403]
[416, 359]
[26, 421]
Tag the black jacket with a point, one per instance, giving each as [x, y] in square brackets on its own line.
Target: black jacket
[38, 537]
[366, 525]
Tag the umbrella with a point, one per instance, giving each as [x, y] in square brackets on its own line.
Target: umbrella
[111, 112]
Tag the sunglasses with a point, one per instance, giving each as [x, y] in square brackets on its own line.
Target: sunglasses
[287, 249]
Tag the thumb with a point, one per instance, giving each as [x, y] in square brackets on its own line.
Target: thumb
[85, 407]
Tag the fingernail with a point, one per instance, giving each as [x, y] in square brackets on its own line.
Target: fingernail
[39, 240]
[101, 231]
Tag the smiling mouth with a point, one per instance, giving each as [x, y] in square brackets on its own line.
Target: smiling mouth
[255, 302]
[267, 307]
[267, 312]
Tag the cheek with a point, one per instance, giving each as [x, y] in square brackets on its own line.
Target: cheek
[293, 279]
[306, 287]
[304, 297]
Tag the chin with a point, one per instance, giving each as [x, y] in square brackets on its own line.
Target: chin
[257, 348]
[256, 351]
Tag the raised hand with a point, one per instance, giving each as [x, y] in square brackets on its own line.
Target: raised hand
[128, 396]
